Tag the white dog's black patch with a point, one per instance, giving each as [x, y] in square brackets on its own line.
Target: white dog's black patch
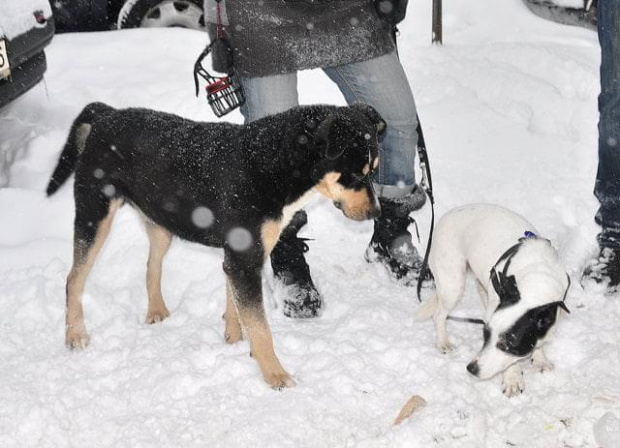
[521, 339]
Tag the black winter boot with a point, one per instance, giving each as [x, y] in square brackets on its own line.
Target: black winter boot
[391, 242]
[604, 270]
[290, 267]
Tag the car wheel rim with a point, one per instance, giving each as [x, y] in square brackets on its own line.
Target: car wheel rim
[183, 14]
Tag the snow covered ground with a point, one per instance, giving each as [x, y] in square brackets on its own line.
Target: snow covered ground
[509, 111]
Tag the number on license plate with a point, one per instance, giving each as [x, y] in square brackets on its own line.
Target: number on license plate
[5, 70]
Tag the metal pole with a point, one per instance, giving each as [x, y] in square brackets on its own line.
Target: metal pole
[437, 23]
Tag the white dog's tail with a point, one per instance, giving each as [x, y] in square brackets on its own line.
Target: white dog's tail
[427, 309]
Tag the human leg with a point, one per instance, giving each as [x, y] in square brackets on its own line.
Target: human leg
[606, 268]
[382, 83]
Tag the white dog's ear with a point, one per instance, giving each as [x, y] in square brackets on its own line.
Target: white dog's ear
[563, 306]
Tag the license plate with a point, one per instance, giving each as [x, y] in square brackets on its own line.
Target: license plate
[5, 70]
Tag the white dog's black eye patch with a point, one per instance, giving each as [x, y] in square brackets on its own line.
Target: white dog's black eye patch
[521, 338]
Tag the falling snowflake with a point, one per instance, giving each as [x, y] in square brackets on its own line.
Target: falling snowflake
[202, 217]
[109, 190]
[98, 173]
[386, 7]
[239, 239]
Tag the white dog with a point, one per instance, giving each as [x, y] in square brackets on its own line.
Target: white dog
[520, 280]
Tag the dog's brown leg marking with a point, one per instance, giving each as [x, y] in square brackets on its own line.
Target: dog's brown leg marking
[159, 239]
[83, 260]
[258, 333]
[233, 331]
[270, 233]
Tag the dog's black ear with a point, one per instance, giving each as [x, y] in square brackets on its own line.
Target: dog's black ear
[506, 288]
[333, 133]
[373, 115]
[545, 315]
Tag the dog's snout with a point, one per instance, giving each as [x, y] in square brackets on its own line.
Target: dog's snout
[473, 368]
[374, 213]
[338, 205]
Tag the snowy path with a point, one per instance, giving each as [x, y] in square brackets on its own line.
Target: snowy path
[509, 112]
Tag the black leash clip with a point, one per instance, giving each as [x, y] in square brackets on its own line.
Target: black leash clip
[224, 93]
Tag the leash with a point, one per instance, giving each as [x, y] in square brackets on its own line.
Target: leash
[427, 185]
[469, 320]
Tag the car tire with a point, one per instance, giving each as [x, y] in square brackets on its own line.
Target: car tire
[161, 13]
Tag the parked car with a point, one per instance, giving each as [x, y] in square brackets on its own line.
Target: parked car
[99, 15]
[577, 12]
[26, 27]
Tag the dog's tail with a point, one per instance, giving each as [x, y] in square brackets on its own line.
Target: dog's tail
[427, 309]
[76, 142]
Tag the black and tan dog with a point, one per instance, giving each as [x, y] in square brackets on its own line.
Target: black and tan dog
[216, 184]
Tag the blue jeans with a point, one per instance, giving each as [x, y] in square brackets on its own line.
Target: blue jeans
[607, 187]
[380, 82]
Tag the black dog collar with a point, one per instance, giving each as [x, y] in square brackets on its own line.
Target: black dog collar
[506, 286]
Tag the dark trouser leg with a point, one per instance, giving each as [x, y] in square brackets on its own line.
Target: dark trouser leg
[606, 268]
[607, 188]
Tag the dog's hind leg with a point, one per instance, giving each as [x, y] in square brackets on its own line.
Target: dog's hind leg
[159, 239]
[448, 295]
[244, 274]
[233, 331]
[92, 226]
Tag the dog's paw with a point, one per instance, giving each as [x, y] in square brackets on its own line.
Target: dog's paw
[234, 335]
[233, 332]
[445, 348]
[155, 316]
[279, 380]
[513, 384]
[542, 365]
[77, 338]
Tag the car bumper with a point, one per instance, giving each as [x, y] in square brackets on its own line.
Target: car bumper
[27, 62]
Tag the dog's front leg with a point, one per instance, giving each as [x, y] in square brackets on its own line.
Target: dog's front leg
[512, 381]
[540, 362]
[244, 277]
[440, 319]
